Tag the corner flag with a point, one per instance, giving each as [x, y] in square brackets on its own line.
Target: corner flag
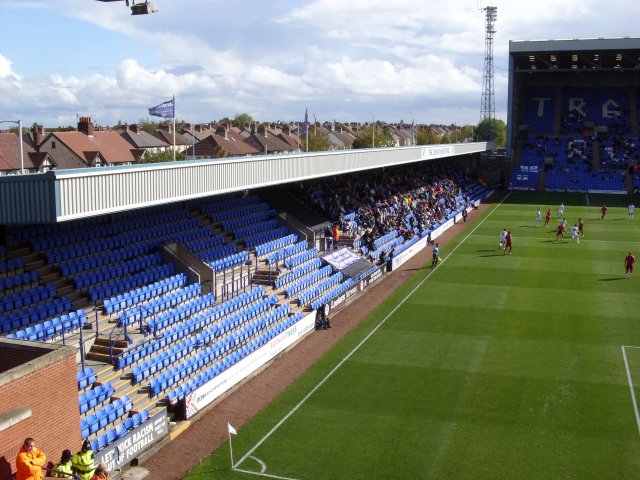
[232, 430]
[164, 110]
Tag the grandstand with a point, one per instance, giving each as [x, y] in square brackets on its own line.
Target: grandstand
[163, 309]
[573, 115]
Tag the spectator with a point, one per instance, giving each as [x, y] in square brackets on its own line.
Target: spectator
[101, 473]
[83, 465]
[328, 238]
[30, 461]
[64, 468]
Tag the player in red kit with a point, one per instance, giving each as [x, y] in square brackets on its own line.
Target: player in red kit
[560, 231]
[581, 227]
[603, 211]
[547, 217]
[628, 264]
[507, 244]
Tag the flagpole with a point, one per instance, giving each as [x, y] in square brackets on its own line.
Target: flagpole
[174, 128]
[373, 131]
[230, 449]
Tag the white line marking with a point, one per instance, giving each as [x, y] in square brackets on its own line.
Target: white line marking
[587, 197]
[262, 474]
[261, 463]
[633, 395]
[362, 342]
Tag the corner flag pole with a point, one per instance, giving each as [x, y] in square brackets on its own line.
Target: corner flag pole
[231, 452]
[231, 431]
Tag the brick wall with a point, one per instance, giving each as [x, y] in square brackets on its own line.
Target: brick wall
[47, 386]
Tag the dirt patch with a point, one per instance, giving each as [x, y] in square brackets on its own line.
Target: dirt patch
[207, 433]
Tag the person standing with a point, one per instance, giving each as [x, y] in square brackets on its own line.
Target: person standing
[64, 468]
[632, 209]
[628, 265]
[538, 218]
[503, 239]
[603, 212]
[560, 210]
[574, 233]
[83, 465]
[507, 244]
[547, 217]
[434, 256]
[30, 461]
[581, 227]
[336, 235]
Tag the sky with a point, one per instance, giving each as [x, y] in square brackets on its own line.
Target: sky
[355, 60]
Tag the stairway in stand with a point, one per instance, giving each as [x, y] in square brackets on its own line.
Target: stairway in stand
[100, 350]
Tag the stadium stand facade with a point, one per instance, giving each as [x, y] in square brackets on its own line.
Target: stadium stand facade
[573, 115]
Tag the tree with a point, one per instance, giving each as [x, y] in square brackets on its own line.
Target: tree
[241, 119]
[220, 152]
[445, 138]
[425, 136]
[149, 126]
[368, 136]
[161, 157]
[492, 130]
[468, 133]
[318, 140]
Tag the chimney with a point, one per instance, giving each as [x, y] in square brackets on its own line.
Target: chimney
[85, 126]
[222, 131]
[286, 130]
[261, 130]
[134, 128]
[38, 133]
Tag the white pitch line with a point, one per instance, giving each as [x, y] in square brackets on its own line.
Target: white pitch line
[262, 474]
[633, 395]
[263, 466]
[362, 342]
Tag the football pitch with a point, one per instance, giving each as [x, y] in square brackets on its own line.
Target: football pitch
[487, 367]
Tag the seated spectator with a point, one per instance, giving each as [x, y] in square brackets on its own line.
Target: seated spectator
[101, 473]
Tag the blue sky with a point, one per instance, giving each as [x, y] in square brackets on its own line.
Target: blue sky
[354, 60]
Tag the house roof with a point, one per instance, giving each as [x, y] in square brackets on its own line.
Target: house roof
[112, 147]
[271, 141]
[207, 147]
[142, 139]
[167, 137]
[38, 158]
[10, 153]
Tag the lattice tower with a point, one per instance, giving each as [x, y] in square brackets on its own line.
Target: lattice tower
[488, 102]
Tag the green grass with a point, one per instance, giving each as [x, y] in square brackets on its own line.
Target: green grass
[493, 368]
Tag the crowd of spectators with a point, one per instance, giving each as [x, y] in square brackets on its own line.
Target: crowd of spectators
[408, 199]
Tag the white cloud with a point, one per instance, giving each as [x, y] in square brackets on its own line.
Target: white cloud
[5, 67]
[272, 59]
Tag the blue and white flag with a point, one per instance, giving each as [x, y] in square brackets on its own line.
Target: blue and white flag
[164, 110]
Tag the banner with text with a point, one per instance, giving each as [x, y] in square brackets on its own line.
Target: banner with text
[207, 393]
[135, 442]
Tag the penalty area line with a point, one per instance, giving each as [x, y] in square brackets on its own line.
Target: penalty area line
[357, 347]
[631, 388]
